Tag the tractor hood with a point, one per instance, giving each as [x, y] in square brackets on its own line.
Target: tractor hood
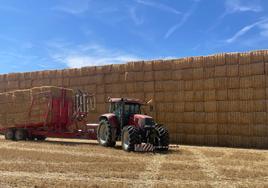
[142, 120]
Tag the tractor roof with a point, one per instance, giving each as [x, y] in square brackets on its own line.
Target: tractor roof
[127, 100]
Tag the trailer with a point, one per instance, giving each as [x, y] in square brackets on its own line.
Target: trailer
[63, 116]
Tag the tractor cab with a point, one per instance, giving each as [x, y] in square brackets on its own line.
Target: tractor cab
[124, 109]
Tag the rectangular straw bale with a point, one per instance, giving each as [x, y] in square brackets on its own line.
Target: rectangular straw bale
[179, 96]
[188, 85]
[211, 129]
[198, 96]
[189, 107]
[246, 82]
[180, 85]
[259, 117]
[210, 95]
[233, 117]
[245, 70]
[210, 106]
[209, 61]
[199, 129]
[233, 82]
[246, 94]
[163, 75]
[170, 96]
[179, 107]
[148, 76]
[116, 68]
[211, 118]
[183, 63]
[221, 94]
[257, 68]
[258, 81]
[198, 62]
[209, 84]
[259, 130]
[222, 117]
[188, 117]
[162, 65]
[256, 57]
[259, 93]
[188, 96]
[220, 59]
[148, 65]
[198, 73]
[221, 83]
[233, 106]
[111, 78]
[198, 85]
[199, 107]
[259, 106]
[199, 117]
[179, 117]
[234, 94]
[231, 58]
[220, 71]
[177, 74]
[149, 86]
[222, 106]
[159, 96]
[209, 72]
[244, 58]
[232, 70]
[13, 85]
[187, 74]
[246, 117]
[246, 106]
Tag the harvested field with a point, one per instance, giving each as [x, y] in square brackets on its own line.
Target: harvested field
[79, 163]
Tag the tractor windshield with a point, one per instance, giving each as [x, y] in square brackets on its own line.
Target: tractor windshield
[132, 108]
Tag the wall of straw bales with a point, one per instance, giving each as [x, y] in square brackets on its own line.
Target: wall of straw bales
[209, 100]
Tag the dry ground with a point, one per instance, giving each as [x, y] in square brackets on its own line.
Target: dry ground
[66, 163]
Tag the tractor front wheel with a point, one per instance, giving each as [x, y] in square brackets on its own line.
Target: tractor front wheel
[20, 134]
[105, 134]
[130, 137]
[9, 134]
[163, 138]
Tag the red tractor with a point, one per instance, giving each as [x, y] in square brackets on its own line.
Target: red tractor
[126, 123]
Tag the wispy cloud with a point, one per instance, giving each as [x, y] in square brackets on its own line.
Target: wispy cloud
[183, 20]
[73, 7]
[262, 24]
[138, 20]
[160, 6]
[75, 56]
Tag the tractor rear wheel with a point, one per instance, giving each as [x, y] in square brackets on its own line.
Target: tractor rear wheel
[130, 137]
[20, 134]
[163, 136]
[105, 134]
[9, 134]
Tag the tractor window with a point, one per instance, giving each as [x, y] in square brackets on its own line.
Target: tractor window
[132, 108]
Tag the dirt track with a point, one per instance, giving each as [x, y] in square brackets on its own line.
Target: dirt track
[66, 163]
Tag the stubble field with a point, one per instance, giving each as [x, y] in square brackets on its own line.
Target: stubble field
[79, 163]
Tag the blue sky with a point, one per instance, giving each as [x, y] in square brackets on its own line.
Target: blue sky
[55, 34]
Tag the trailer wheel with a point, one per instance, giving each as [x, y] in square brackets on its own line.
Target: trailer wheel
[20, 134]
[41, 138]
[130, 137]
[105, 134]
[9, 134]
[163, 136]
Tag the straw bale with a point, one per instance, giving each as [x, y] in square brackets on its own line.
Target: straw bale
[198, 62]
[259, 106]
[130, 87]
[211, 140]
[210, 95]
[221, 94]
[179, 118]
[259, 130]
[12, 85]
[209, 84]
[165, 107]
[149, 96]
[233, 82]
[246, 94]
[258, 81]
[198, 96]
[177, 74]
[221, 83]
[259, 117]
[234, 106]
[3, 77]
[244, 58]
[187, 74]
[148, 66]
[189, 107]
[198, 73]
[232, 70]
[234, 94]
[170, 117]
[209, 72]
[222, 118]
[246, 82]
[179, 107]
[266, 67]
[233, 117]
[65, 82]
[148, 76]
[170, 96]
[12, 76]
[105, 69]
[188, 85]
[179, 96]
[198, 85]
[222, 106]
[54, 82]
[183, 63]
[259, 93]
[210, 106]
[231, 58]
[162, 65]
[245, 70]
[246, 117]
[194, 139]
[199, 107]
[188, 117]
[220, 59]
[211, 129]
[111, 78]
[257, 57]
[199, 117]
[246, 106]
[180, 85]
[257, 68]
[188, 96]
[211, 118]
[165, 86]
[159, 96]
[163, 75]
[209, 60]
[148, 86]
[220, 71]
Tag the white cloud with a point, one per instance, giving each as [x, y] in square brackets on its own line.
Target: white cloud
[138, 20]
[158, 6]
[73, 7]
[184, 19]
[76, 56]
[262, 24]
[234, 6]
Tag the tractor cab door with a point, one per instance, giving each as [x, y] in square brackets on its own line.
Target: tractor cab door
[118, 109]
